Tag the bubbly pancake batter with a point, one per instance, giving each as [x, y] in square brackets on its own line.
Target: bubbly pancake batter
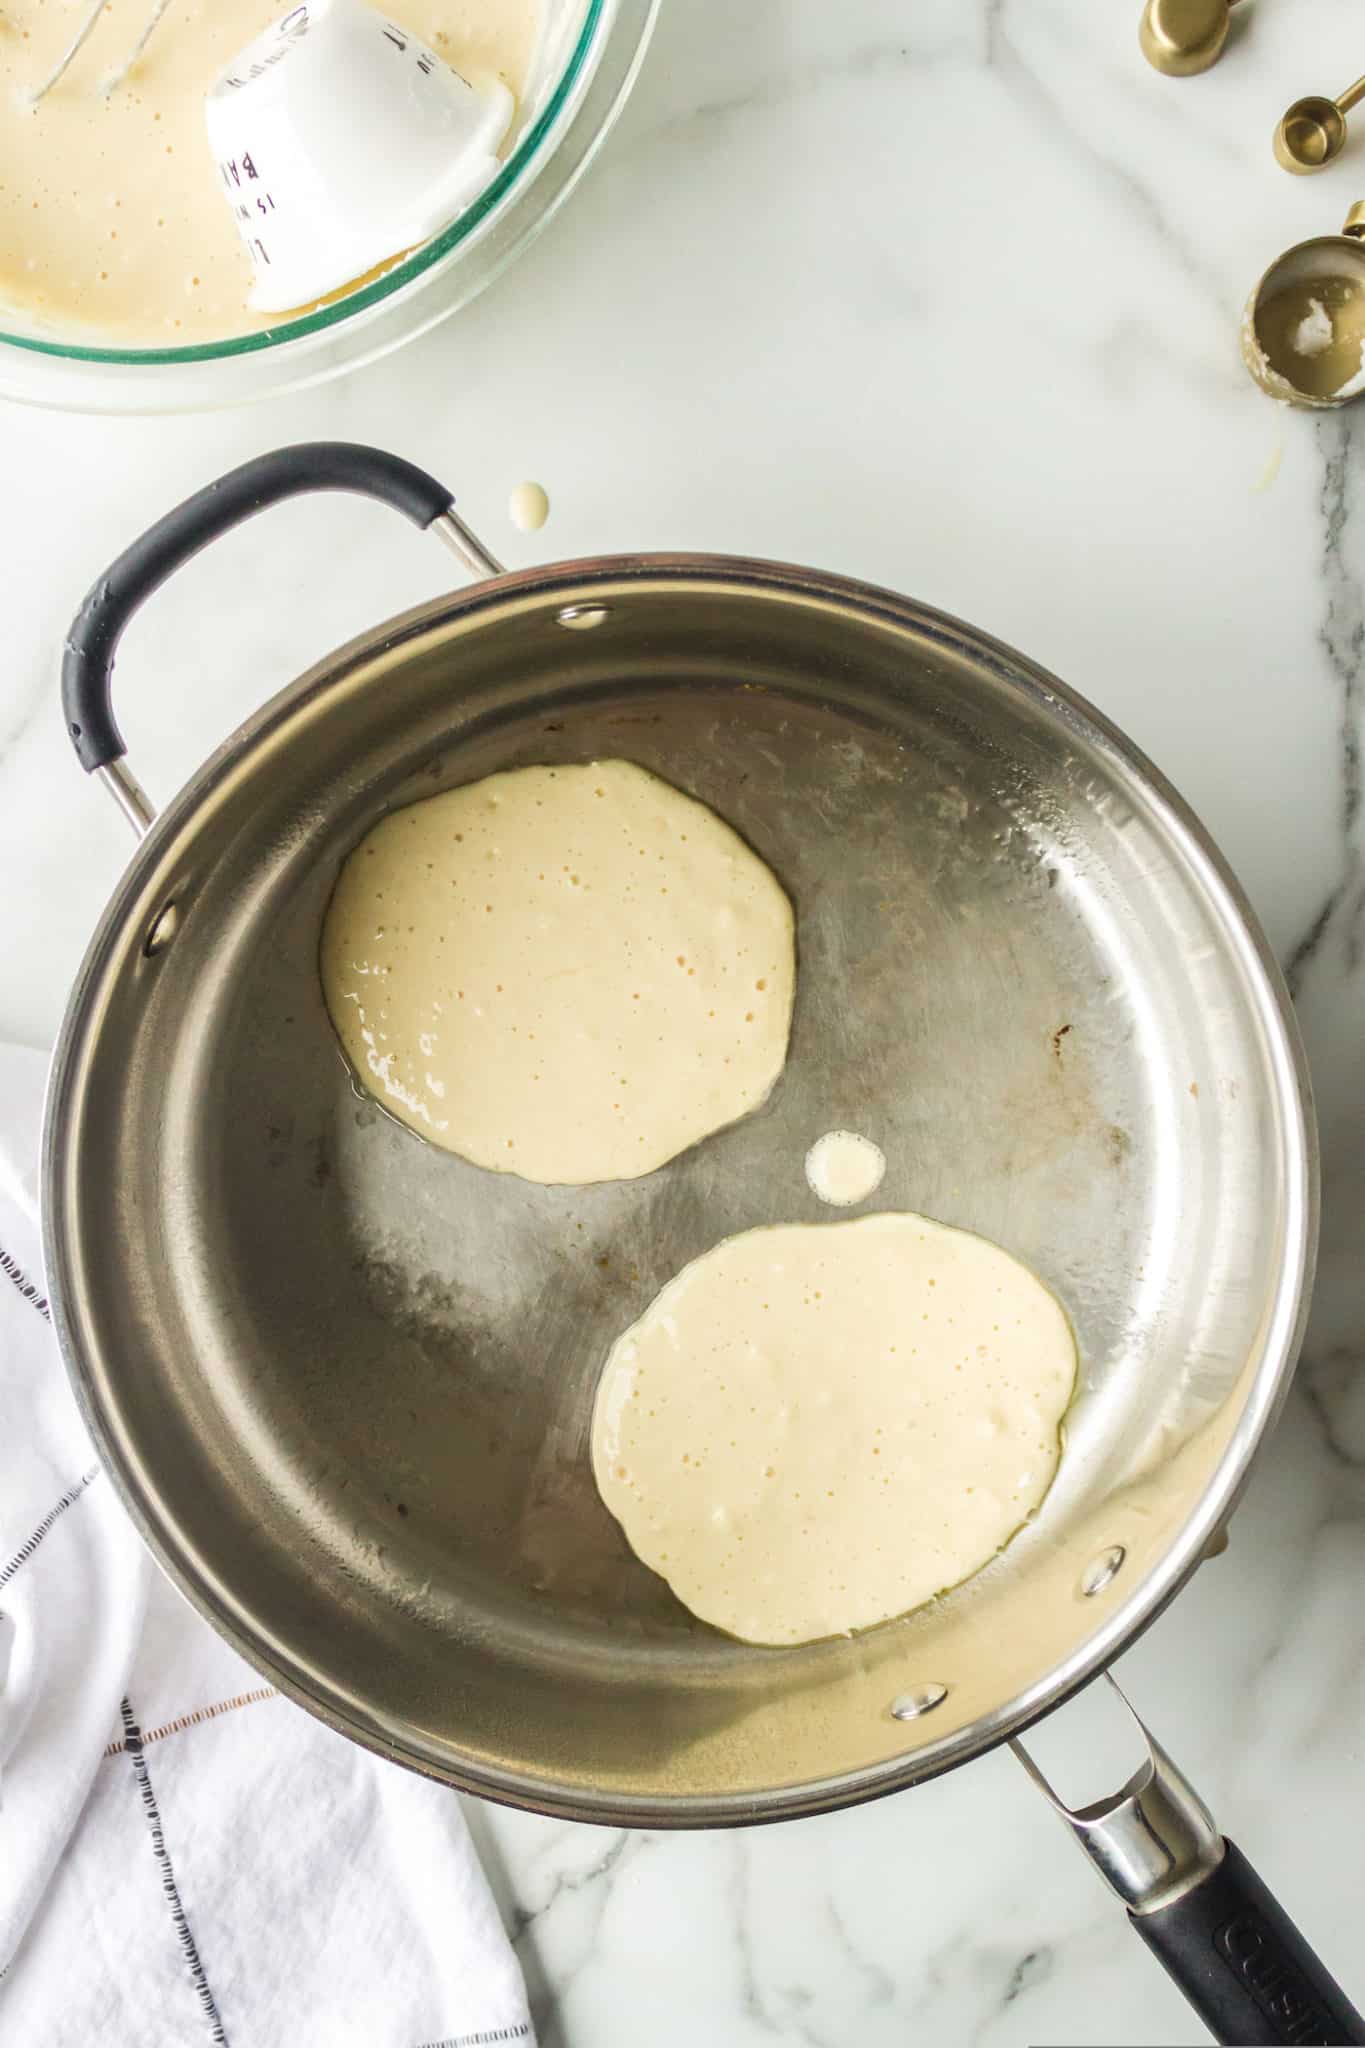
[567, 973]
[818, 1426]
[112, 216]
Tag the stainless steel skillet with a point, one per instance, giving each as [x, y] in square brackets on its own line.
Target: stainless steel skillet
[343, 1380]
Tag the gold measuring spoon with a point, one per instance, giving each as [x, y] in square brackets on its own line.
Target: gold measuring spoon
[1303, 332]
[1181, 37]
[1313, 131]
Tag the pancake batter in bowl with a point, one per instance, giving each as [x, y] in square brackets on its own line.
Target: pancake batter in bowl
[816, 1427]
[113, 226]
[567, 973]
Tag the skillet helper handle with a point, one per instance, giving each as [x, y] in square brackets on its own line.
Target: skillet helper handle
[91, 644]
[1243, 1964]
[1201, 1909]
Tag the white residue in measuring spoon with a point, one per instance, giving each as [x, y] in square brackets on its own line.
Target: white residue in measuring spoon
[1314, 332]
[843, 1168]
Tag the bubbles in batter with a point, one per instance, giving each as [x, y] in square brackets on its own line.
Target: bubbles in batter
[567, 973]
[818, 1426]
[843, 1168]
[112, 221]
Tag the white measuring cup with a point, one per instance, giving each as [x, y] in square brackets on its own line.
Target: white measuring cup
[343, 141]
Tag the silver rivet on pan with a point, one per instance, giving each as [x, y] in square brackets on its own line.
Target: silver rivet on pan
[581, 618]
[1102, 1569]
[920, 1699]
[165, 925]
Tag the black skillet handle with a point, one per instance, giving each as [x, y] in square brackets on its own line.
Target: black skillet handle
[88, 659]
[1199, 1906]
[1243, 1965]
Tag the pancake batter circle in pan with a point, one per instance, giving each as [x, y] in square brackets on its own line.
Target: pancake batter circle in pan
[568, 973]
[816, 1427]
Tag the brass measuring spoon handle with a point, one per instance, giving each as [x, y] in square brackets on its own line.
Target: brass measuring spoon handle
[1351, 97]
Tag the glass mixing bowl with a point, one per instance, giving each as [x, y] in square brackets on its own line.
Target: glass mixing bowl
[590, 53]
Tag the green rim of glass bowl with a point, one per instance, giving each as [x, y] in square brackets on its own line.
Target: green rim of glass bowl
[371, 294]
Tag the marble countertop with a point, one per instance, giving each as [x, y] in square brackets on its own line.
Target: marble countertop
[947, 298]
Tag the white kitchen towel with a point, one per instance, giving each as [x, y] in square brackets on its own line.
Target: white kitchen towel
[186, 1857]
